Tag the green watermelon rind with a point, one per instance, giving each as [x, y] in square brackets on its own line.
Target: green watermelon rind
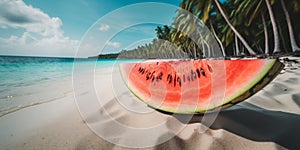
[267, 76]
[264, 72]
[128, 84]
[267, 67]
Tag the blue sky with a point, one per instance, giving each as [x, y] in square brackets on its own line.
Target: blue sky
[56, 28]
[79, 28]
[79, 15]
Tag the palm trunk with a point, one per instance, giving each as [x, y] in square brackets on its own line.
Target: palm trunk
[203, 49]
[187, 45]
[266, 34]
[218, 39]
[283, 42]
[208, 49]
[234, 51]
[204, 43]
[243, 51]
[294, 45]
[237, 49]
[275, 29]
[250, 50]
[195, 49]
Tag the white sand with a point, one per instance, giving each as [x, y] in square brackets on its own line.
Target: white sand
[268, 120]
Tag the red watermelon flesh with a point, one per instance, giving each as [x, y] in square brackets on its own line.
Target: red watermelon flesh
[195, 86]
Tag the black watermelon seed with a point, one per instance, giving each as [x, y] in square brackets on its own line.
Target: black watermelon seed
[209, 68]
[198, 72]
[170, 79]
[153, 72]
[194, 75]
[202, 71]
[156, 63]
[188, 78]
[160, 75]
[175, 80]
[149, 75]
[152, 79]
[179, 81]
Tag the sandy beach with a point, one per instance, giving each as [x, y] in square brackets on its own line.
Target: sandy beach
[268, 120]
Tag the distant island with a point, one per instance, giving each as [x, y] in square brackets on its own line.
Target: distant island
[106, 56]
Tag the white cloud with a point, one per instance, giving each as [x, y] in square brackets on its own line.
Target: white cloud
[16, 14]
[104, 27]
[42, 36]
[113, 44]
[29, 44]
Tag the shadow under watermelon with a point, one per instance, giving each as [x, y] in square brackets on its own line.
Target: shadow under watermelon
[255, 123]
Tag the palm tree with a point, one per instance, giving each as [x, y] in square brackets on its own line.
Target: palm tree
[250, 50]
[254, 8]
[274, 27]
[204, 10]
[218, 39]
[265, 33]
[248, 16]
[237, 48]
[294, 45]
[246, 13]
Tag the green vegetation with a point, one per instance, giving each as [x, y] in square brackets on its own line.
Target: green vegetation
[247, 27]
[108, 56]
[241, 28]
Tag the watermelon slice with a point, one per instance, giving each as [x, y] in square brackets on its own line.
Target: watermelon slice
[195, 86]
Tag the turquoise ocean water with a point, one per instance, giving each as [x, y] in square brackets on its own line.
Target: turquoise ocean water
[28, 80]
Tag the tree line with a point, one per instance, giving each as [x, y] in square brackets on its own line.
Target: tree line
[239, 27]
